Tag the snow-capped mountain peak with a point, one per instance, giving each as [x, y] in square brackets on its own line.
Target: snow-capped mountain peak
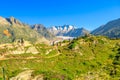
[63, 28]
[67, 30]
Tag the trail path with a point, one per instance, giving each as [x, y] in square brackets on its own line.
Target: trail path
[27, 58]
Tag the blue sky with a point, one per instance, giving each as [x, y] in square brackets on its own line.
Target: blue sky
[89, 14]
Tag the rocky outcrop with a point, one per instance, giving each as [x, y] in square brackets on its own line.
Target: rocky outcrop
[13, 21]
[9, 21]
[27, 75]
[17, 48]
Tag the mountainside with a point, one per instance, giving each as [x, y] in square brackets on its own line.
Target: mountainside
[68, 30]
[84, 58]
[111, 29]
[41, 29]
[12, 30]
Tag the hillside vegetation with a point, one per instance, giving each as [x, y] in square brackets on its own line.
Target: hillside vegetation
[84, 58]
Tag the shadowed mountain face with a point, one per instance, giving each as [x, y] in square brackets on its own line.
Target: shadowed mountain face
[111, 29]
[68, 30]
[12, 29]
[41, 29]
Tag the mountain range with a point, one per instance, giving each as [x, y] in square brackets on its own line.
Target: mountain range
[12, 29]
[68, 30]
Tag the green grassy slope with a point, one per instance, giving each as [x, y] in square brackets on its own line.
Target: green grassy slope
[83, 58]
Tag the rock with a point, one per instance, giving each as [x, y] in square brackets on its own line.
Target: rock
[32, 50]
[26, 75]
[39, 77]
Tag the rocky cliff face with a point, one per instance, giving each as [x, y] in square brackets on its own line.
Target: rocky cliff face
[10, 21]
[68, 30]
[13, 21]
